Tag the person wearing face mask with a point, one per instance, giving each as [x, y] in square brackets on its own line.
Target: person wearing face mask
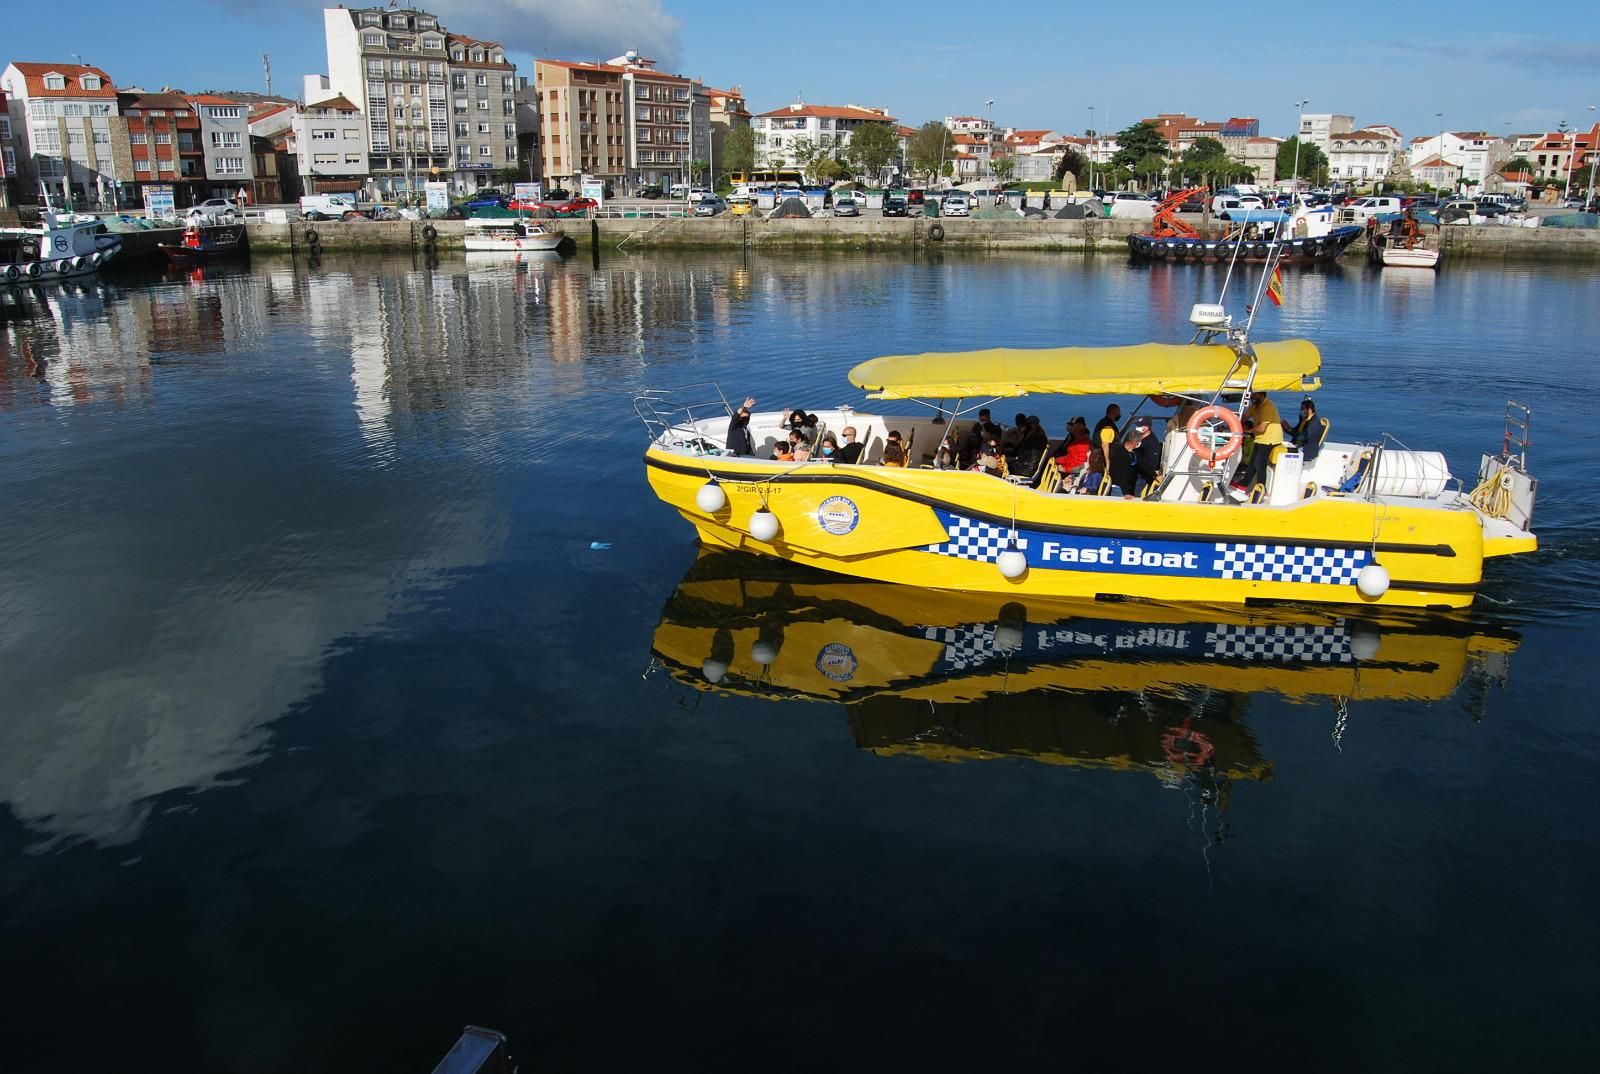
[829, 449]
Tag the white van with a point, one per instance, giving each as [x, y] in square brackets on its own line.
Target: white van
[331, 204]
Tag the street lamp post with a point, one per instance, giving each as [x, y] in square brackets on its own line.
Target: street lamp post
[1438, 186]
[1299, 129]
[1091, 147]
[1594, 154]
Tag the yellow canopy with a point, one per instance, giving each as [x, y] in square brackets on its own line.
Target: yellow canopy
[1143, 369]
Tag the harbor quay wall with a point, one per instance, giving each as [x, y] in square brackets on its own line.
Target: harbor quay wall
[864, 233]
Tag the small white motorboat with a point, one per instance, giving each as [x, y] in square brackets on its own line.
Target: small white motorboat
[510, 236]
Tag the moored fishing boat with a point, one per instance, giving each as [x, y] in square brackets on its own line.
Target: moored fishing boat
[204, 245]
[1400, 242]
[1255, 235]
[1364, 523]
[63, 246]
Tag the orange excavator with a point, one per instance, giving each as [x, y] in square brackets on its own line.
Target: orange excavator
[1166, 224]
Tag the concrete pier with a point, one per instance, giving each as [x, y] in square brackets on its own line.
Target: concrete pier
[862, 233]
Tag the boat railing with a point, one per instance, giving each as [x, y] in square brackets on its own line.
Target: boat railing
[672, 416]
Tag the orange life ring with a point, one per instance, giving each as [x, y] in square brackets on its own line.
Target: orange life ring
[1186, 746]
[1205, 451]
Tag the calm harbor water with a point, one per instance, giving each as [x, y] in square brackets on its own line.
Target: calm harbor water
[325, 730]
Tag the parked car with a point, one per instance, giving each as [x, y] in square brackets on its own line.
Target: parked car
[709, 205]
[558, 194]
[955, 205]
[896, 205]
[1194, 203]
[846, 206]
[572, 206]
[916, 197]
[651, 191]
[486, 200]
[1461, 211]
[1221, 203]
[221, 208]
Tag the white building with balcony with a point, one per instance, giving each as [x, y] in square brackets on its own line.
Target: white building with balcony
[825, 126]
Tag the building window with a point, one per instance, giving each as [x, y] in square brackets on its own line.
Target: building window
[458, 81]
[72, 111]
[510, 132]
[75, 138]
[372, 40]
[136, 137]
[486, 151]
[508, 107]
[507, 84]
[325, 158]
[371, 19]
[219, 139]
[316, 136]
[142, 165]
[432, 43]
[230, 165]
[461, 130]
[483, 104]
[163, 138]
[477, 55]
[511, 154]
[47, 110]
[435, 70]
[480, 79]
[55, 82]
[458, 56]
[483, 128]
[220, 113]
[463, 152]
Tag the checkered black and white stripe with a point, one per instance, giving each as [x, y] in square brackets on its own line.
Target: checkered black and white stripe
[964, 646]
[1289, 563]
[971, 539]
[1300, 644]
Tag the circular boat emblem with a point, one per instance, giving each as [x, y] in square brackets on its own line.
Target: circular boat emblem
[837, 662]
[61, 242]
[838, 515]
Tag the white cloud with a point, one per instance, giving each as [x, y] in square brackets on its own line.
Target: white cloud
[568, 29]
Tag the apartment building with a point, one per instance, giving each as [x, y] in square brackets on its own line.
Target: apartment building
[660, 118]
[1256, 152]
[1362, 156]
[1558, 154]
[1318, 128]
[329, 139]
[8, 155]
[483, 112]
[165, 143]
[66, 134]
[826, 126]
[582, 126]
[392, 63]
[225, 140]
[725, 111]
[1475, 153]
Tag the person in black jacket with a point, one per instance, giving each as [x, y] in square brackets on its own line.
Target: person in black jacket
[739, 441]
[851, 451]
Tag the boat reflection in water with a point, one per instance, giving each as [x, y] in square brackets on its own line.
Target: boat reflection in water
[1130, 686]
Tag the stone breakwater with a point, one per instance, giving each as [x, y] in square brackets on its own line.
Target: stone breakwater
[864, 233]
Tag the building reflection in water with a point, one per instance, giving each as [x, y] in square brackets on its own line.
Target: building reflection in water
[1114, 686]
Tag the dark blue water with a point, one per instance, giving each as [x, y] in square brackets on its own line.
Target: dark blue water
[324, 731]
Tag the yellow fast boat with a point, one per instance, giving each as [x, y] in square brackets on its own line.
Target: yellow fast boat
[1106, 684]
[1362, 524]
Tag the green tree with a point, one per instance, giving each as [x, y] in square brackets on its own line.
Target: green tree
[739, 150]
[1137, 142]
[1517, 164]
[1074, 162]
[507, 176]
[1206, 161]
[1313, 161]
[1150, 167]
[948, 169]
[926, 148]
[697, 169]
[823, 168]
[804, 151]
[1003, 165]
[871, 148]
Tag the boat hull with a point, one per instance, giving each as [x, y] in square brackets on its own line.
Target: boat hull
[50, 270]
[1327, 247]
[522, 245]
[946, 529]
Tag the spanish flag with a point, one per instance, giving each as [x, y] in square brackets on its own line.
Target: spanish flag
[1275, 286]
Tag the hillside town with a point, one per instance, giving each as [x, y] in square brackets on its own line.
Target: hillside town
[407, 101]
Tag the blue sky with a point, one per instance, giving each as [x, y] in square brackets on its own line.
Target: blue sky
[1043, 65]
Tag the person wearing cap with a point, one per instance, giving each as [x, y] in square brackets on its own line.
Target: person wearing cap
[1148, 459]
[1265, 427]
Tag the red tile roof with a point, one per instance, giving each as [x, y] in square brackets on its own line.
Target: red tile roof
[213, 98]
[33, 75]
[827, 111]
[603, 67]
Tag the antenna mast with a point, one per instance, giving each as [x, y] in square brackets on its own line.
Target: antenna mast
[266, 67]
